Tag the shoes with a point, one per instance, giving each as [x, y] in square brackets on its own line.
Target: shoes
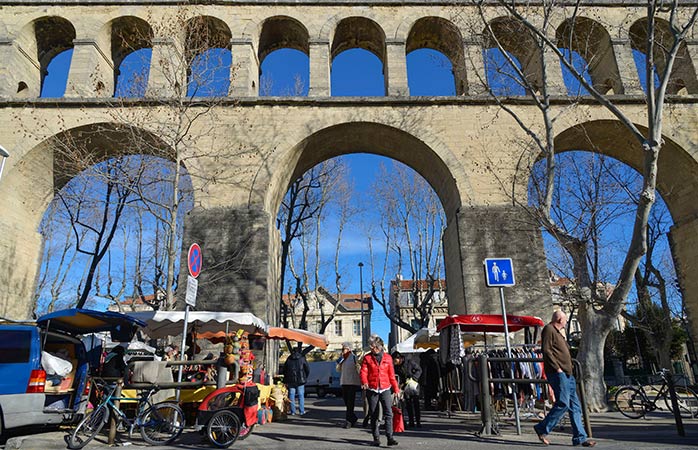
[302, 414]
[392, 442]
[347, 425]
[588, 443]
[376, 443]
[543, 438]
[419, 425]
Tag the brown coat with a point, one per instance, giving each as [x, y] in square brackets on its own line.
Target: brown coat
[556, 352]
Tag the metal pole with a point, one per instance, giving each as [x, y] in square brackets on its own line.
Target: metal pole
[181, 350]
[361, 287]
[3, 156]
[506, 339]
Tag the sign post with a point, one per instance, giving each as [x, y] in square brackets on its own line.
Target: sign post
[194, 264]
[499, 272]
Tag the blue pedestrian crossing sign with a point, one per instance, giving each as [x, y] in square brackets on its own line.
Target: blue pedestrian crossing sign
[499, 272]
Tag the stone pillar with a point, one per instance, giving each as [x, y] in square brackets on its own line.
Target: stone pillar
[168, 72]
[627, 70]
[245, 69]
[395, 68]
[483, 232]
[91, 71]
[475, 66]
[20, 74]
[683, 239]
[238, 273]
[319, 68]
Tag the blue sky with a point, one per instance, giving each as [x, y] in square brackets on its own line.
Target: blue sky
[355, 72]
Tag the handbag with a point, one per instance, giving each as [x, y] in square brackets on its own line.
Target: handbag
[411, 387]
[398, 421]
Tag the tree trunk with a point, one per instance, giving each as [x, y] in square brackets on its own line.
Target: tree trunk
[591, 357]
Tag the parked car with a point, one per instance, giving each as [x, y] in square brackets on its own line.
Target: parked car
[323, 379]
[26, 397]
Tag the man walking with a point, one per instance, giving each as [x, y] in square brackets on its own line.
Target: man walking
[558, 370]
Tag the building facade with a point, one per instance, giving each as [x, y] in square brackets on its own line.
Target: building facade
[345, 326]
[408, 298]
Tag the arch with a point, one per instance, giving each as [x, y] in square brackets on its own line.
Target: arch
[358, 32]
[51, 36]
[443, 36]
[518, 41]
[677, 175]
[366, 137]
[129, 34]
[282, 32]
[208, 70]
[592, 42]
[683, 73]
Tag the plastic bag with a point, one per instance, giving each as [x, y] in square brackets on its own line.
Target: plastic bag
[398, 422]
[411, 387]
[53, 365]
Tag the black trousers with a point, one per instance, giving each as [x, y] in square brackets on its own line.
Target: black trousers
[349, 396]
[412, 407]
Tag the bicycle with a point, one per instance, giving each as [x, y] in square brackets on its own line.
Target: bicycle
[634, 402]
[159, 423]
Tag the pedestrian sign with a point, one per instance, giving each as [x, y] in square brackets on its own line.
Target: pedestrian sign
[499, 272]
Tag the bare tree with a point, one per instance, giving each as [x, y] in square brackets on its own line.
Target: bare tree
[412, 225]
[533, 24]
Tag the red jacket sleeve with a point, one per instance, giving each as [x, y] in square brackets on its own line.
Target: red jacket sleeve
[393, 379]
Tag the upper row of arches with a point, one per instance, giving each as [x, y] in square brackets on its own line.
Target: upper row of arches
[211, 61]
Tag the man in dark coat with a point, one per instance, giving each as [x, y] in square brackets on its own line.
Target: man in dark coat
[296, 371]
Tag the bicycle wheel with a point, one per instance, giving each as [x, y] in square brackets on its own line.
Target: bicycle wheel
[630, 402]
[162, 423]
[223, 428]
[88, 427]
[688, 402]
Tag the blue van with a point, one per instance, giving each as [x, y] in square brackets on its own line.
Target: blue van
[26, 398]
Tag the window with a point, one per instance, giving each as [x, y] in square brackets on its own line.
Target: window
[318, 326]
[357, 327]
[338, 327]
[15, 346]
[416, 324]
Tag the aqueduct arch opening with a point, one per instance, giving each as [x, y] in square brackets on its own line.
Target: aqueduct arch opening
[42, 170]
[677, 182]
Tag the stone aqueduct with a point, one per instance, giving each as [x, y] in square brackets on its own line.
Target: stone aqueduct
[469, 153]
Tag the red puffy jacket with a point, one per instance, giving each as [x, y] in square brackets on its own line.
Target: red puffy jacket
[379, 376]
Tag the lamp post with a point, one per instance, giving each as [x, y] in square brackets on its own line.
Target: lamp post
[361, 287]
[3, 155]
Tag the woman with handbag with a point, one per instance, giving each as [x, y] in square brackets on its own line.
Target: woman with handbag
[377, 379]
[408, 372]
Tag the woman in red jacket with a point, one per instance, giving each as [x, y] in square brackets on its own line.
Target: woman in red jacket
[377, 378]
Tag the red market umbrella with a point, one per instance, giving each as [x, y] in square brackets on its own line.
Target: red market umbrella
[489, 323]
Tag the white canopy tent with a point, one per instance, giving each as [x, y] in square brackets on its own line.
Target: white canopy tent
[170, 323]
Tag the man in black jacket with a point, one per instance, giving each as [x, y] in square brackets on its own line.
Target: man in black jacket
[296, 371]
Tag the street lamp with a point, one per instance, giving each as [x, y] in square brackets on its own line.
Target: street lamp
[4, 155]
[361, 299]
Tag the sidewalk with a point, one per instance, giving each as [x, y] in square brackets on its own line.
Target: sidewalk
[321, 429]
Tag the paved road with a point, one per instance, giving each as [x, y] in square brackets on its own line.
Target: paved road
[321, 429]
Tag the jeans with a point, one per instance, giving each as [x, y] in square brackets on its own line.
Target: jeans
[385, 399]
[292, 390]
[349, 397]
[566, 400]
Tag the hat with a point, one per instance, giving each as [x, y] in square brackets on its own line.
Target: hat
[346, 345]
